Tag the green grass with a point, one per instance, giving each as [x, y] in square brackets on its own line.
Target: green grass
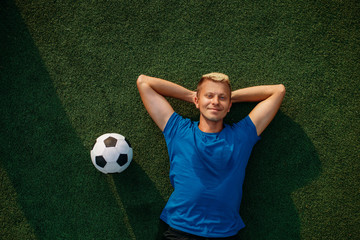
[68, 71]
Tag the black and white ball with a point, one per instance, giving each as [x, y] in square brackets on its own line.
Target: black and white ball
[111, 153]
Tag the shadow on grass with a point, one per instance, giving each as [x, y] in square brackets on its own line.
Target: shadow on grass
[60, 193]
[142, 201]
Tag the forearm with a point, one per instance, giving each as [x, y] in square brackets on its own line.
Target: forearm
[166, 88]
[257, 93]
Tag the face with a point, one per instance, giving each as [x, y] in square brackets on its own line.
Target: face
[213, 100]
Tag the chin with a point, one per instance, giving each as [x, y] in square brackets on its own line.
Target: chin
[214, 118]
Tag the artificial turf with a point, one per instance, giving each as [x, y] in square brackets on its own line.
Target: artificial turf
[68, 72]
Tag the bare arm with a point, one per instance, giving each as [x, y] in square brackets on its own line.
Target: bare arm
[269, 97]
[153, 92]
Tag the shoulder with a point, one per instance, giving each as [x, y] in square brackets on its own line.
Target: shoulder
[245, 128]
[245, 123]
[176, 123]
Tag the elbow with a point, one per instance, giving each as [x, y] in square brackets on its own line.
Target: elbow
[141, 80]
[281, 89]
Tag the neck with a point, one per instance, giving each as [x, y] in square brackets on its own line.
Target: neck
[209, 126]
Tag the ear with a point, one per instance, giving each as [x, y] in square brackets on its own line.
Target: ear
[230, 106]
[196, 101]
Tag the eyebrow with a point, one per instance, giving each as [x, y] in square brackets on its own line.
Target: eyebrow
[220, 94]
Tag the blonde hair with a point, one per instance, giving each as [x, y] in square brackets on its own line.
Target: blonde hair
[215, 77]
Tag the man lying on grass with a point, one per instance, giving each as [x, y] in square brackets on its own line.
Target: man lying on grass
[207, 158]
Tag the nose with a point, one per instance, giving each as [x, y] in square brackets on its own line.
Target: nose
[215, 100]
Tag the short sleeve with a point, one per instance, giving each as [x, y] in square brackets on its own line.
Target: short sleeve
[173, 125]
[246, 128]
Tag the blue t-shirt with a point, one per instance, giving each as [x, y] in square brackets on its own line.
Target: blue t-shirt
[207, 172]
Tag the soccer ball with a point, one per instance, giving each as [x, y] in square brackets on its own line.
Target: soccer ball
[111, 153]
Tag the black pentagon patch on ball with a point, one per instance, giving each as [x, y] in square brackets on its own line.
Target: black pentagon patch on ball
[100, 161]
[110, 142]
[122, 160]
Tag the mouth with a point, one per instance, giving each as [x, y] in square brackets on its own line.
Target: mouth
[214, 109]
